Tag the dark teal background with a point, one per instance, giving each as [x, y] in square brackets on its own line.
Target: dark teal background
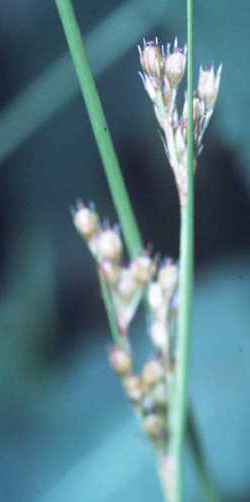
[66, 431]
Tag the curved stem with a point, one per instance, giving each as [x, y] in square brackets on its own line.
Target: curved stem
[100, 127]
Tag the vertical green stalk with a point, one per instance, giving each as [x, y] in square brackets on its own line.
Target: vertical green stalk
[186, 278]
[100, 127]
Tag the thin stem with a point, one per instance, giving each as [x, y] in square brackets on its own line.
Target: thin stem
[107, 300]
[186, 279]
[100, 127]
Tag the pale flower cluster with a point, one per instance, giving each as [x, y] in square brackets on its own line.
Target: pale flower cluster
[127, 285]
[162, 72]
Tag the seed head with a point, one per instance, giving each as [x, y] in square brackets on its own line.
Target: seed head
[142, 269]
[120, 361]
[126, 286]
[175, 64]
[133, 388]
[208, 85]
[110, 271]
[152, 373]
[86, 221]
[109, 245]
[151, 59]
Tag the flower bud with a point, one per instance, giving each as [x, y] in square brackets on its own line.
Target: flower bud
[109, 245]
[152, 373]
[208, 85]
[86, 221]
[126, 286]
[142, 269]
[175, 64]
[154, 425]
[133, 388]
[110, 272]
[151, 59]
[120, 361]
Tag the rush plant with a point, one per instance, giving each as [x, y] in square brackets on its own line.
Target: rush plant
[159, 393]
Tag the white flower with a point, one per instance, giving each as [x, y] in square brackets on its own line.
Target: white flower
[208, 85]
[175, 65]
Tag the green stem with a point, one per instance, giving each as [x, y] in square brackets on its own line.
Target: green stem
[107, 300]
[186, 279]
[100, 127]
[115, 180]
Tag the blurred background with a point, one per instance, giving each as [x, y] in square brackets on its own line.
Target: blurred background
[66, 431]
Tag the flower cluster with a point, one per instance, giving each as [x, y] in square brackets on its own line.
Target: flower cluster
[157, 282]
[162, 72]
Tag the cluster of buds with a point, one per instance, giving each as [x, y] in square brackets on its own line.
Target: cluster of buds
[163, 71]
[161, 294]
[126, 286]
[146, 392]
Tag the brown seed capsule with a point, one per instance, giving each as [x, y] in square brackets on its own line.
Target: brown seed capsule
[154, 425]
[152, 373]
[86, 221]
[133, 388]
[120, 361]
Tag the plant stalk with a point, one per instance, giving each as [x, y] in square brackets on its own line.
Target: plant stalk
[99, 126]
[186, 280]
